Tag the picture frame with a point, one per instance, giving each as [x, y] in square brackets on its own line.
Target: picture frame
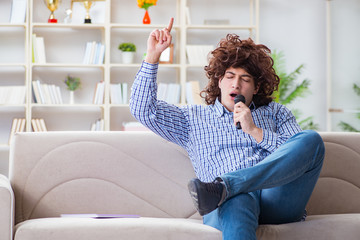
[167, 56]
[97, 12]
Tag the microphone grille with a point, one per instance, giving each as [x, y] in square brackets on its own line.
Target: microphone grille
[239, 98]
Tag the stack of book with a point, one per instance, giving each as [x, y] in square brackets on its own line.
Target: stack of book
[119, 93]
[94, 53]
[46, 93]
[12, 94]
[169, 92]
[193, 92]
[18, 125]
[98, 125]
[38, 125]
[198, 54]
[38, 49]
[99, 93]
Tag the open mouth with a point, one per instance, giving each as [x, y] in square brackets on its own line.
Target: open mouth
[233, 95]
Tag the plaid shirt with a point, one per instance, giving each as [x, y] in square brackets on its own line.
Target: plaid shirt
[214, 144]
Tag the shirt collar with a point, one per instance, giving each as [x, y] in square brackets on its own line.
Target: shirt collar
[220, 109]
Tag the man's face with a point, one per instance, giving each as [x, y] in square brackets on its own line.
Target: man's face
[236, 81]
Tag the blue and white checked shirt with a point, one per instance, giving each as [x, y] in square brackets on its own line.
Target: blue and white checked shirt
[214, 144]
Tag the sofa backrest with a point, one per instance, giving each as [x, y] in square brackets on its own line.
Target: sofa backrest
[55, 173]
[338, 188]
[139, 173]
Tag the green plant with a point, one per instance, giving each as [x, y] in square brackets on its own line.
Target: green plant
[127, 47]
[289, 90]
[346, 126]
[72, 83]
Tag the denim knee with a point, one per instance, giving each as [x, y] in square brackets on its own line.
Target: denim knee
[312, 138]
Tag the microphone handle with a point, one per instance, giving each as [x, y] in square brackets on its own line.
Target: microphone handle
[239, 98]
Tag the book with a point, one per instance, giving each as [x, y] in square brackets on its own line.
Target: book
[46, 93]
[18, 11]
[99, 93]
[193, 92]
[116, 96]
[38, 49]
[124, 90]
[12, 94]
[40, 46]
[169, 92]
[41, 123]
[198, 54]
[18, 125]
[98, 216]
[38, 125]
[94, 53]
[98, 125]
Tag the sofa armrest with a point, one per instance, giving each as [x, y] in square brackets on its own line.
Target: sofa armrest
[6, 209]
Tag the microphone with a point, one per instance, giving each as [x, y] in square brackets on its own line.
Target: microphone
[239, 98]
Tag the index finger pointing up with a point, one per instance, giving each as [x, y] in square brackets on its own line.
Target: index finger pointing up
[170, 24]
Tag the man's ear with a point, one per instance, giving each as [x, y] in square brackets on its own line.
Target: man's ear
[219, 82]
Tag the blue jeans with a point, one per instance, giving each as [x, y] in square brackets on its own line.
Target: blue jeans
[274, 191]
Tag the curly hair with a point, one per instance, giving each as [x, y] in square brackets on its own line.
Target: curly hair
[253, 58]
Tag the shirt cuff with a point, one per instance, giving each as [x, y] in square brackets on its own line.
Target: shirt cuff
[148, 69]
[269, 140]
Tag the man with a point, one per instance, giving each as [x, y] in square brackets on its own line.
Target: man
[264, 172]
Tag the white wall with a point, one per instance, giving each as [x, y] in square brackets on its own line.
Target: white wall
[298, 28]
[345, 62]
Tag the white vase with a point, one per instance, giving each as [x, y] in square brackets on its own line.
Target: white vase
[71, 99]
[128, 57]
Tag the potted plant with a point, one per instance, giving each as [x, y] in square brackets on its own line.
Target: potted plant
[72, 84]
[128, 52]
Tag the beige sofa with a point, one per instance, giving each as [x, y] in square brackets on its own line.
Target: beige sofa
[139, 173]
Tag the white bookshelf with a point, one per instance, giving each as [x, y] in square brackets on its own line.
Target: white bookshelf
[65, 46]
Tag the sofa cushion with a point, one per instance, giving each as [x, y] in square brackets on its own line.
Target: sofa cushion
[106, 172]
[327, 227]
[338, 188]
[115, 229]
[317, 227]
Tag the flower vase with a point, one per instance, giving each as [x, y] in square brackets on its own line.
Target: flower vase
[71, 100]
[128, 57]
[146, 19]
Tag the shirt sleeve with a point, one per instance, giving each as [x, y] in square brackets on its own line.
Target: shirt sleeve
[166, 120]
[285, 127]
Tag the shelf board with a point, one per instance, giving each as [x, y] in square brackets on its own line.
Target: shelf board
[69, 106]
[75, 65]
[67, 25]
[119, 105]
[245, 27]
[13, 25]
[137, 65]
[13, 65]
[4, 147]
[6, 106]
[141, 26]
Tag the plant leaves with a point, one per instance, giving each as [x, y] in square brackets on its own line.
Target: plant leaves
[347, 127]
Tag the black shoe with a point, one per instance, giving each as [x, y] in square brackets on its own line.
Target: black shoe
[206, 196]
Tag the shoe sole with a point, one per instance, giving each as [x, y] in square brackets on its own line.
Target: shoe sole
[194, 195]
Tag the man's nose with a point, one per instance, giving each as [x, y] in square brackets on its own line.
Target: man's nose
[236, 84]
